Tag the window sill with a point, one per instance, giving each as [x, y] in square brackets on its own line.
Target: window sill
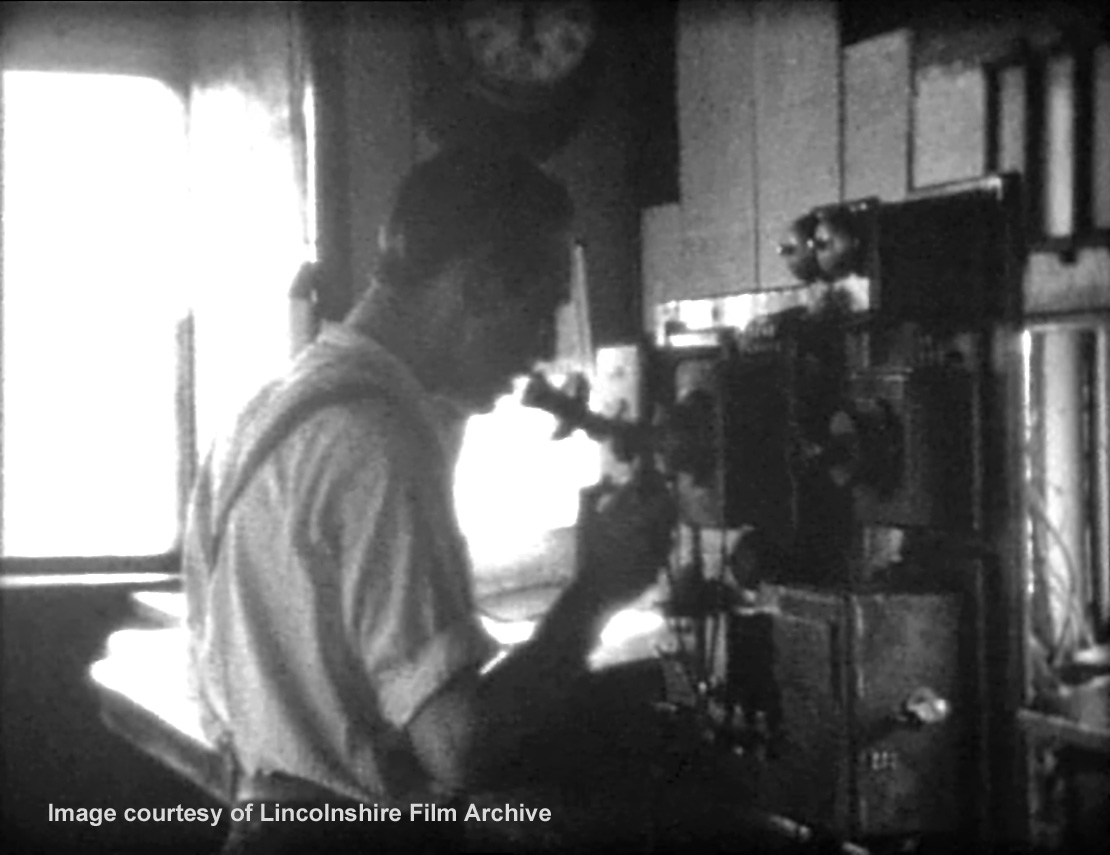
[25, 573]
[1045, 727]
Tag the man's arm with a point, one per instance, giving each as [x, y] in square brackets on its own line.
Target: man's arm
[464, 732]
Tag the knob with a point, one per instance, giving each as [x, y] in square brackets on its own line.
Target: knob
[925, 707]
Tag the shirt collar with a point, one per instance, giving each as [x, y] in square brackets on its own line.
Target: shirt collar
[447, 417]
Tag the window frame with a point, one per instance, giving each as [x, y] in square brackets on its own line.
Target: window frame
[145, 40]
[1093, 573]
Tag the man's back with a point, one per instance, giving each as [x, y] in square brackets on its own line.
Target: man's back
[340, 596]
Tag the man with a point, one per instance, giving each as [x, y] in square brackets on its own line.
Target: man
[336, 647]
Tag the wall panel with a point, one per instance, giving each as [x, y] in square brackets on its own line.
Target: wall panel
[797, 78]
[877, 88]
[716, 115]
[380, 145]
[949, 122]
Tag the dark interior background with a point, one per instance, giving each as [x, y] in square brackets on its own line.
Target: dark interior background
[56, 750]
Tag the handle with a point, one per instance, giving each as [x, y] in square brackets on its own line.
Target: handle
[924, 707]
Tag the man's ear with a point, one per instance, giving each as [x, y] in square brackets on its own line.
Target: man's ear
[482, 288]
[446, 295]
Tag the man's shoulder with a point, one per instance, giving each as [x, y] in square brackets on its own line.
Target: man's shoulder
[370, 429]
[371, 417]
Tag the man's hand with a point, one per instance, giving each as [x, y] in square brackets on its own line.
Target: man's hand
[467, 733]
[624, 537]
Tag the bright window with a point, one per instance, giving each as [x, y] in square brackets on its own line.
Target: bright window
[516, 492]
[94, 172]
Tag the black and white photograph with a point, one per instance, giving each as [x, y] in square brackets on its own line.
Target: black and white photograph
[555, 426]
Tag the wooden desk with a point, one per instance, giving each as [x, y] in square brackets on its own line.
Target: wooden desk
[145, 698]
[622, 760]
[1069, 784]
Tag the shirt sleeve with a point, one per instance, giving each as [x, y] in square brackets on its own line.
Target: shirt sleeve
[405, 585]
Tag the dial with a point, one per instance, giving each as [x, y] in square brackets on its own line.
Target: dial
[526, 44]
[516, 74]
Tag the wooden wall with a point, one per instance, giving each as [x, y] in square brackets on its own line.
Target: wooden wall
[368, 68]
[783, 106]
[777, 114]
[365, 141]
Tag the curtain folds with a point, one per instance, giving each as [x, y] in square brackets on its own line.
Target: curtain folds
[250, 199]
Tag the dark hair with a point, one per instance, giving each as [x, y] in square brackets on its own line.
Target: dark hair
[462, 203]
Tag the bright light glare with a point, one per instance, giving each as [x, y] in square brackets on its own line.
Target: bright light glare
[631, 623]
[93, 195]
[150, 667]
[311, 226]
[513, 482]
[509, 632]
[248, 238]
[622, 627]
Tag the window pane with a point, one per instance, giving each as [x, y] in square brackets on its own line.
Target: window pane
[516, 494]
[1059, 153]
[93, 189]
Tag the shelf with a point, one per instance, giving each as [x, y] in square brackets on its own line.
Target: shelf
[1053, 728]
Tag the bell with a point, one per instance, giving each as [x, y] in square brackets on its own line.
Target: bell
[835, 246]
[797, 249]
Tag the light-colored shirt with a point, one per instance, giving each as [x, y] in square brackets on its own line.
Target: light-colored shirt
[339, 599]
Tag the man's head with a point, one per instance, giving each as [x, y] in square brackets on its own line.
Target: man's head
[485, 240]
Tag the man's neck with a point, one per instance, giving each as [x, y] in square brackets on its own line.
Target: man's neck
[398, 329]
[407, 331]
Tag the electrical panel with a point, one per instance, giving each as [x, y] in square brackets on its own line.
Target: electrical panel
[619, 393]
[828, 464]
[724, 434]
[911, 433]
[945, 256]
[865, 708]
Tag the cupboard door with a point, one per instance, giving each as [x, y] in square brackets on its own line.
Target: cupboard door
[907, 776]
[797, 97]
[717, 139]
[661, 261]
[877, 94]
[807, 777]
[950, 124]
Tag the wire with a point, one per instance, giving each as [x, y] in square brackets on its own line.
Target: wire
[1063, 584]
